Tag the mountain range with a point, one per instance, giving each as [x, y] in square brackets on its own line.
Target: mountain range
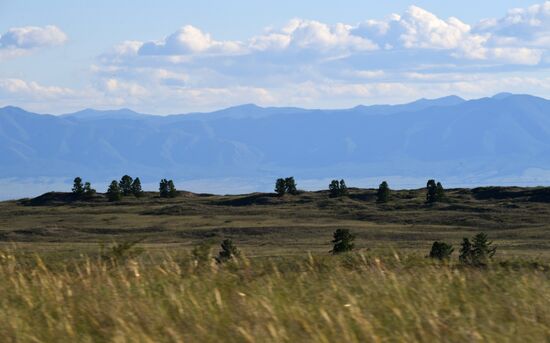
[503, 137]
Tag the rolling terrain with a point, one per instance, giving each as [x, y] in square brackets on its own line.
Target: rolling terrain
[265, 224]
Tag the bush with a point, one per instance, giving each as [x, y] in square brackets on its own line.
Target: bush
[229, 250]
[441, 251]
[383, 193]
[343, 241]
[202, 253]
[120, 252]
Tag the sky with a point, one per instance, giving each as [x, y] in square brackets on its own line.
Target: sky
[165, 57]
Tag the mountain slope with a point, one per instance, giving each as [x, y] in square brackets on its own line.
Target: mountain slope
[502, 136]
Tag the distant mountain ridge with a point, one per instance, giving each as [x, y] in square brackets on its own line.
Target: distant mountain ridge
[489, 138]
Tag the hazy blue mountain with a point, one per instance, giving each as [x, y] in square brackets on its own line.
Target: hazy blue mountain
[485, 139]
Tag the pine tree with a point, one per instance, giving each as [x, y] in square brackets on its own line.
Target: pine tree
[466, 252]
[88, 190]
[334, 189]
[113, 192]
[477, 253]
[383, 193]
[439, 192]
[229, 250]
[163, 188]
[125, 185]
[343, 241]
[291, 186]
[441, 251]
[431, 194]
[343, 188]
[172, 192]
[136, 188]
[482, 249]
[280, 187]
[78, 189]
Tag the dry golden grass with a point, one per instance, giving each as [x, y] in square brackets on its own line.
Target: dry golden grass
[349, 298]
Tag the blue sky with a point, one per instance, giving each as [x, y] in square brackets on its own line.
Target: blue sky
[181, 56]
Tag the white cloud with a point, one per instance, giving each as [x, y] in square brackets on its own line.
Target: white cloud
[311, 63]
[19, 41]
[187, 41]
[31, 37]
[18, 87]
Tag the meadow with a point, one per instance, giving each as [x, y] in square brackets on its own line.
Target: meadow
[61, 279]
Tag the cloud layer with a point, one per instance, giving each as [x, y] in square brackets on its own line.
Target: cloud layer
[309, 63]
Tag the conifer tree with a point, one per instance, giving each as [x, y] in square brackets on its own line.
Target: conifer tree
[136, 188]
[383, 193]
[441, 251]
[343, 241]
[125, 185]
[280, 187]
[88, 190]
[78, 188]
[229, 250]
[113, 192]
[290, 185]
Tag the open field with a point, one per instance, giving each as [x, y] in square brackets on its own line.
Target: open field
[517, 219]
[347, 298]
[59, 285]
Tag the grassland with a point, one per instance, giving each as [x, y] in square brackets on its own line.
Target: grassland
[58, 285]
[517, 219]
[350, 298]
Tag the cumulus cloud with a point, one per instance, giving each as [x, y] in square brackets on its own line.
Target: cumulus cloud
[16, 41]
[306, 62]
[30, 37]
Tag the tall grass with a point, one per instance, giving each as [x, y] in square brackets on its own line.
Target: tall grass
[350, 298]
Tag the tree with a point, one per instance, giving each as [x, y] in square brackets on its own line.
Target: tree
[229, 250]
[477, 253]
[290, 185]
[439, 192]
[334, 188]
[78, 189]
[125, 185]
[343, 188]
[136, 188]
[441, 251]
[280, 187]
[343, 241]
[337, 189]
[383, 193]
[482, 249]
[163, 188]
[167, 189]
[466, 253]
[172, 192]
[88, 190]
[113, 192]
[431, 194]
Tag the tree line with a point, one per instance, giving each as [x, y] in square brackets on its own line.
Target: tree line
[127, 186]
[337, 188]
